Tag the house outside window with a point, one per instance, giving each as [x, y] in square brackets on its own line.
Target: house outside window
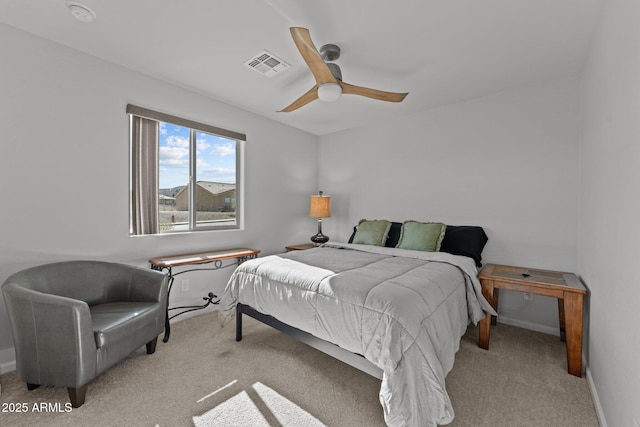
[184, 176]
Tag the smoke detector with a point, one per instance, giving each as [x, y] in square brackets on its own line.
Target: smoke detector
[81, 12]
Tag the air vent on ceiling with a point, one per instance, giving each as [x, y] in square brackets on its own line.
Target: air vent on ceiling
[267, 64]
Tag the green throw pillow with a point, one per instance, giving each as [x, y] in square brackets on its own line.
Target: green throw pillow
[421, 236]
[372, 232]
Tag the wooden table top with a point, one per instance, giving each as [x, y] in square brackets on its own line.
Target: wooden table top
[300, 247]
[202, 257]
[532, 276]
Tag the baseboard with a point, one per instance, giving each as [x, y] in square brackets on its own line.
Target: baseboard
[528, 325]
[7, 360]
[596, 399]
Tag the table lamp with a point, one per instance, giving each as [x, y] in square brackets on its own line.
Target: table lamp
[320, 207]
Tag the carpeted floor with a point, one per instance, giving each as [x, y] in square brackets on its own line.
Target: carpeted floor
[203, 377]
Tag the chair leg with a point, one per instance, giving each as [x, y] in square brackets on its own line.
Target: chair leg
[77, 395]
[31, 386]
[151, 346]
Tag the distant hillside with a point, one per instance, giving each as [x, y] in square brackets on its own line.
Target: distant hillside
[171, 192]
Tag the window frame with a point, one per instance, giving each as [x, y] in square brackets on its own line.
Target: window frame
[135, 174]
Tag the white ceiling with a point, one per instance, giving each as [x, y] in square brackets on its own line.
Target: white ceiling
[440, 51]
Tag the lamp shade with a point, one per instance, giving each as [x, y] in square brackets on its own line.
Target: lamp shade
[320, 206]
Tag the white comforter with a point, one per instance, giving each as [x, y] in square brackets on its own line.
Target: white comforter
[405, 311]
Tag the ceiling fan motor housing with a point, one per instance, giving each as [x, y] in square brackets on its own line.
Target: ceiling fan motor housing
[335, 70]
[330, 52]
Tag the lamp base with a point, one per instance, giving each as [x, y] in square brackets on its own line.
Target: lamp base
[319, 239]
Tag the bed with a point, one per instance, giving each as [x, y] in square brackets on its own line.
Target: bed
[394, 312]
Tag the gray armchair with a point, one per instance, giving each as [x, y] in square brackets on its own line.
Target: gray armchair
[72, 320]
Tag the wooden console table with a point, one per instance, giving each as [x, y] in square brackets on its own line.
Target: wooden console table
[197, 258]
[566, 287]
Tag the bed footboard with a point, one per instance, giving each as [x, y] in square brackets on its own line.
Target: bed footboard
[356, 360]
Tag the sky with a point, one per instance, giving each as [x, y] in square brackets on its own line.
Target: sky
[215, 155]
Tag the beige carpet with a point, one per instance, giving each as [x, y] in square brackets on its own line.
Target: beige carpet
[202, 377]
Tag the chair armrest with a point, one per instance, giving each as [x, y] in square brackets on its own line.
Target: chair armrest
[148, 285]
[53, 337]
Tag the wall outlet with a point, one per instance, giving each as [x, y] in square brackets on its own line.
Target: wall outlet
[184, 285]
[528, 296]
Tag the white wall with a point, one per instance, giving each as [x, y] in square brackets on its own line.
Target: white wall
[507, 162]
[610, 209]
[65, 173]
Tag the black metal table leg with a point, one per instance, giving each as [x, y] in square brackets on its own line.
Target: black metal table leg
[167, 325]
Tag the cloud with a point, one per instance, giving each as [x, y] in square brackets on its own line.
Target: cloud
[174, 153]
[223, 149]
[218, 174]
[174, 156]
[202, 144]
[177, 141]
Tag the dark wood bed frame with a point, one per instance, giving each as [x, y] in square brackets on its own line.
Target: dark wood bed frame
[356, 360]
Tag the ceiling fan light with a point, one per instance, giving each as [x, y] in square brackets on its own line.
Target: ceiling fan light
[329, 92]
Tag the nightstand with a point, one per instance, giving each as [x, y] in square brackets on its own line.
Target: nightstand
[300, 247]
[566, 287]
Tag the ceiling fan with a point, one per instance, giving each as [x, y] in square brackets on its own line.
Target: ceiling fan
[329, 85]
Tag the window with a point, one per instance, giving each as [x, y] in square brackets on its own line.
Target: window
[184, 176]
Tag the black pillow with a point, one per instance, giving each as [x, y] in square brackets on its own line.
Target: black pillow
[466, 240]
[394, 235]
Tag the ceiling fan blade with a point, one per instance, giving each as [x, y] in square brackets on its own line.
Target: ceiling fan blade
[311, 95]
[372, 93]
[311, 56]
